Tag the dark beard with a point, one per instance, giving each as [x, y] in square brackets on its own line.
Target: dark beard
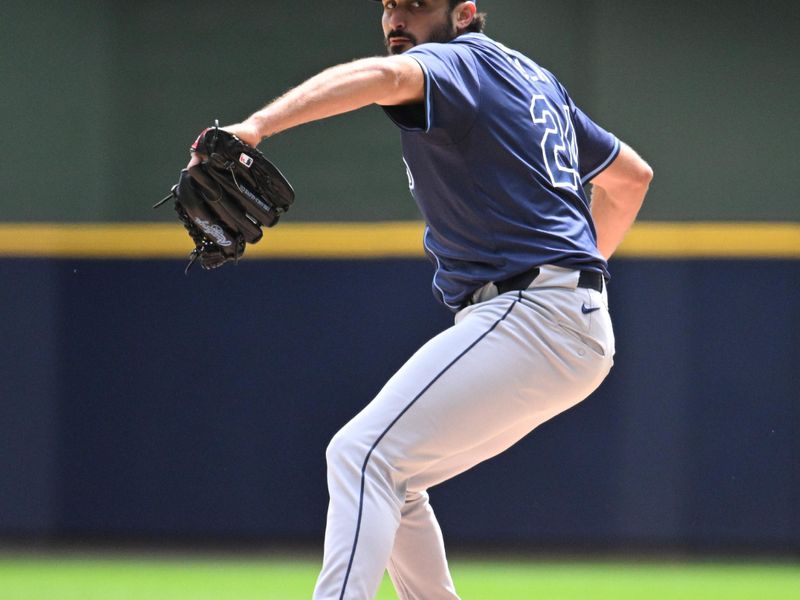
[443, 34]
[446, 33]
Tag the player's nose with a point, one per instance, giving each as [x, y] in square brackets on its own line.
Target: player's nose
[397, 20]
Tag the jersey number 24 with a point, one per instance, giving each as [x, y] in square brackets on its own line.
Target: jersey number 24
[558, 145]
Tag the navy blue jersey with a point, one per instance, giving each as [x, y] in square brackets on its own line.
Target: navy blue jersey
[497, 156]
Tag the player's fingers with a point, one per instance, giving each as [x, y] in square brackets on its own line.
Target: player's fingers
[195, 160]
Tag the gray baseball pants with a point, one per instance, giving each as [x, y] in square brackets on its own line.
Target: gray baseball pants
[507, 365]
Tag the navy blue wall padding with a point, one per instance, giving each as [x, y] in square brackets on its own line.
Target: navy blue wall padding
[136, 402]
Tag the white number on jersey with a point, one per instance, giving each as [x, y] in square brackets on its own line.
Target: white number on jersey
[559, 147]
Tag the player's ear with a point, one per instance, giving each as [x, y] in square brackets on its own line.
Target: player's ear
[465, 13]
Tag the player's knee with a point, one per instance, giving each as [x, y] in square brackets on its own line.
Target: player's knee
[345, 450]
[349, 451]
[351, 456]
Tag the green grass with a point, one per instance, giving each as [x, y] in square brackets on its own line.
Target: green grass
[166, 578]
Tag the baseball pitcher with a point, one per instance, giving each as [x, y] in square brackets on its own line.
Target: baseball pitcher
[497, 155]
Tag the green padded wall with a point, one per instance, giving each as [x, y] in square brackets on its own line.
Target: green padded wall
[108, 95]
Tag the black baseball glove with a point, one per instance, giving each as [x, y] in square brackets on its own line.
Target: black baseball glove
[225, 199]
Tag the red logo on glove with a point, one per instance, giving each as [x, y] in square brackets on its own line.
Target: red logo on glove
[199, 139]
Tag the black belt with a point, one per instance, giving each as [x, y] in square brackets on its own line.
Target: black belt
[591, 280]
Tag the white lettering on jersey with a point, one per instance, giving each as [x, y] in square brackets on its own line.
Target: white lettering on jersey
[559, 147]
[517, 59]
[410, 176]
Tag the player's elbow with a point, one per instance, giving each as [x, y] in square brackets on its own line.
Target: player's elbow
[636, 174]
[627, 171]
[643, 175]
[633, 187]
[623, 190]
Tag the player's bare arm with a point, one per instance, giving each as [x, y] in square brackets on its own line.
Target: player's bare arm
[617, 195]
[387, 81]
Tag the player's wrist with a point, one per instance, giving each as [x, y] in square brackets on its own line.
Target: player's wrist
[257, 128]
[247, 131]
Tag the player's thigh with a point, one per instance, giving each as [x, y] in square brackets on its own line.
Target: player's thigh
[406, 396]
[501, 366]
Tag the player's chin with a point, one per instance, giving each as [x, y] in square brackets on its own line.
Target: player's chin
[398, 48]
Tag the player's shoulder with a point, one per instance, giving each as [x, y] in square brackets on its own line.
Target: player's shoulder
[496, 53]
[460, 46]
[467, 51]
[530, 69]
[482, 44]
[475, 40]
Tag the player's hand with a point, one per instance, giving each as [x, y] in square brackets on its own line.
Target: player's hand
[195, 160]
[245, 131]
[228, 192]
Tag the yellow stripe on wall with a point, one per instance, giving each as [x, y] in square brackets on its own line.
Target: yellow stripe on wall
[166, 240]
[379, 240]
[712, 240]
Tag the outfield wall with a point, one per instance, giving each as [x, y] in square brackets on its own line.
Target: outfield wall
[125, 414]
[138, 403]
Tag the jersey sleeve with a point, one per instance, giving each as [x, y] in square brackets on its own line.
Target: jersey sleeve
[452, 91]
[597, 148]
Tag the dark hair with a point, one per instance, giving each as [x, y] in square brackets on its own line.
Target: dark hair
[478, 23]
